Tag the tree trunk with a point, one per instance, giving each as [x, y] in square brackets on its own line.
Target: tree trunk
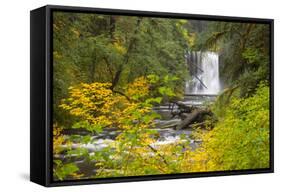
[195, 116]
[112, 22]
[126, 57]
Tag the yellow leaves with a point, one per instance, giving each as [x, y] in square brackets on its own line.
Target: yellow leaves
[190, 38]
[97, 107]
[89, 100]
[235, 143]
[97, 104]
[146, 139]
[77, 112]
[76, 32]
[102, 120]
[76, 175]
[57, 55]
[55, 26]
[135, 150]
[58, 139]
[138, 89]
[119, 48]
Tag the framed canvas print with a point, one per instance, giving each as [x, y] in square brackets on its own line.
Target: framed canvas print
[122, 95]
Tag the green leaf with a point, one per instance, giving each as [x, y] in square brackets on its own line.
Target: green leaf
[153, 78]
[154, 100]
[166, 91]
[64, 170]
[86, 139]
[90, 127]
[147, 118]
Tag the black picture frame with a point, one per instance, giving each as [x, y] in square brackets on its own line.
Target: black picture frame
[41, 94]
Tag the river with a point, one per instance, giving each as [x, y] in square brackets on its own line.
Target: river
[201, 88]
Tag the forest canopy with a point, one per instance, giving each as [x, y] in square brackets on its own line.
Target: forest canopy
[120, 85]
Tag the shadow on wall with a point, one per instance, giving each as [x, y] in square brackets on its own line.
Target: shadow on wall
[24, 176]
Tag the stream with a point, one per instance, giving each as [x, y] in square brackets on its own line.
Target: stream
[203, 87]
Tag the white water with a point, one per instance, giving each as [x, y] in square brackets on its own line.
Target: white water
[204, 67]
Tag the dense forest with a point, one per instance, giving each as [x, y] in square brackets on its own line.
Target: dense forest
[114, 75]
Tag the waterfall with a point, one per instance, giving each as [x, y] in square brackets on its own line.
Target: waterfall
[204, 70]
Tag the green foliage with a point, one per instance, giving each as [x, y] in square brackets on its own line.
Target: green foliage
[240, 140]
[97, 128]
[128, 65]
[116, 49]
[166, 91]
[244, 52]
[96, 107]
[165, 87]
[251, 55]
[63, 170]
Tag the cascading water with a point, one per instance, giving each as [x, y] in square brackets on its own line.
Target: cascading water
[204, 70]
[204, 85]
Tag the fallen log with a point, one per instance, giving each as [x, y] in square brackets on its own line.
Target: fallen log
[184, 108]
[195, 116]
[183, 115]
[203, 125]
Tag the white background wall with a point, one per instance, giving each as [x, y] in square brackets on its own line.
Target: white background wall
[14, 94]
